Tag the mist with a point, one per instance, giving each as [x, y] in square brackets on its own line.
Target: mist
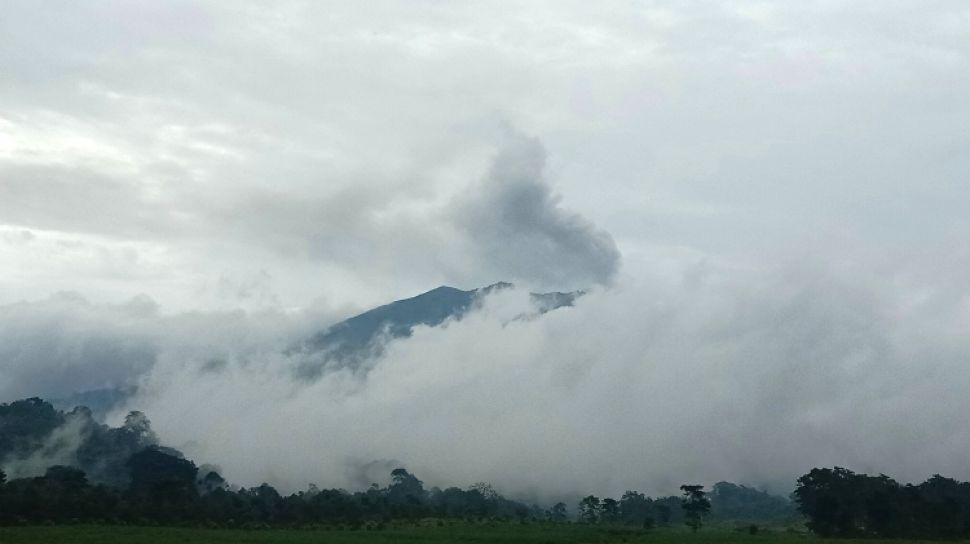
[65, 344]
[720, 373]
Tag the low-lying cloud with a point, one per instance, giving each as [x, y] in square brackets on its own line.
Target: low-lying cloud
[65, 344]
[718, 374]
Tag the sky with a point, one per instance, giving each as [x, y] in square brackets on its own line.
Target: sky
[767, 202]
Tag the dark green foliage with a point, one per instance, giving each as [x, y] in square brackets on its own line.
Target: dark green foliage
[121, 475]
[478, 501]
[153, 467]
[210, 482]
[105, 452]
[164, 484]
[668, 510]
[558, 512]
[839, 502]
[27, 427]
[610, 510]
[589, 509]
[24, 424]
[637, 509]
[164, 489]
[695, 504]
[61, 494]
[740, 503]
[424, 532]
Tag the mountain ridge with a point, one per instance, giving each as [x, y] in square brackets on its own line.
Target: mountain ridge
[357, 338]
[351, 342]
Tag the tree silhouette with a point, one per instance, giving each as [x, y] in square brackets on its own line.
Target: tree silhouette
[589, 509]
[695, 505]
[610, 510]
[558, 512]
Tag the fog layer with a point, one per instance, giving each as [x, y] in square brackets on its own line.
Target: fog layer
[713, 374]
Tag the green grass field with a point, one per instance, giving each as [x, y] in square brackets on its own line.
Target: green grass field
[430, 532]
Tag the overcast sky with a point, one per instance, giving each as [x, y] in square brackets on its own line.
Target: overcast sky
[758, 181]
[224, 154]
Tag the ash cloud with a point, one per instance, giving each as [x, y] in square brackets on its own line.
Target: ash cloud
[518, 227]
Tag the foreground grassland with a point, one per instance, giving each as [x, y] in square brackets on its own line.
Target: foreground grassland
[450, 532]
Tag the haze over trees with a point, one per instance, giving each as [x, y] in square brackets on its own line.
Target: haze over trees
[64, 467]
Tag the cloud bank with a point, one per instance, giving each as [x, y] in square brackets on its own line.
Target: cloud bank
[65, 344]
[718, 374]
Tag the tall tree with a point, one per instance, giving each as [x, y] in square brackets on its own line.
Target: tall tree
[832, 500]
[589, 509]
[405, 487]
[610, 510]
[695, 505]
[558, 512]
[636, 508]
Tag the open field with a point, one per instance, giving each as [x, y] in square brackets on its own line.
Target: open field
[456, 532]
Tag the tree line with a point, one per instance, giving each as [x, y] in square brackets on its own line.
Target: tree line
[840, 503]
[123, 475]
[167, 489]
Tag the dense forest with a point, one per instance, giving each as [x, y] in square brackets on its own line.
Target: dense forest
[65, 467]
[839, 502]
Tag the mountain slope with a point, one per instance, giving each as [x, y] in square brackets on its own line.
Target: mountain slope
[349, 343]
[358, 338]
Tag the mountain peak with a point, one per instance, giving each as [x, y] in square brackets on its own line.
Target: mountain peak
[360, 337]
[440, 289]
[498, 286]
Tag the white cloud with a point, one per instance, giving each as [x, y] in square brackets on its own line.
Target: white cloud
[329, 138]
[750, 376]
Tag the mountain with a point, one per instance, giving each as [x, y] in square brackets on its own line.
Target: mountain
[350, 342]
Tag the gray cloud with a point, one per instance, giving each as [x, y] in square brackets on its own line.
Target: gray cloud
[65, 344]
[126, 210]
[519, 228]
